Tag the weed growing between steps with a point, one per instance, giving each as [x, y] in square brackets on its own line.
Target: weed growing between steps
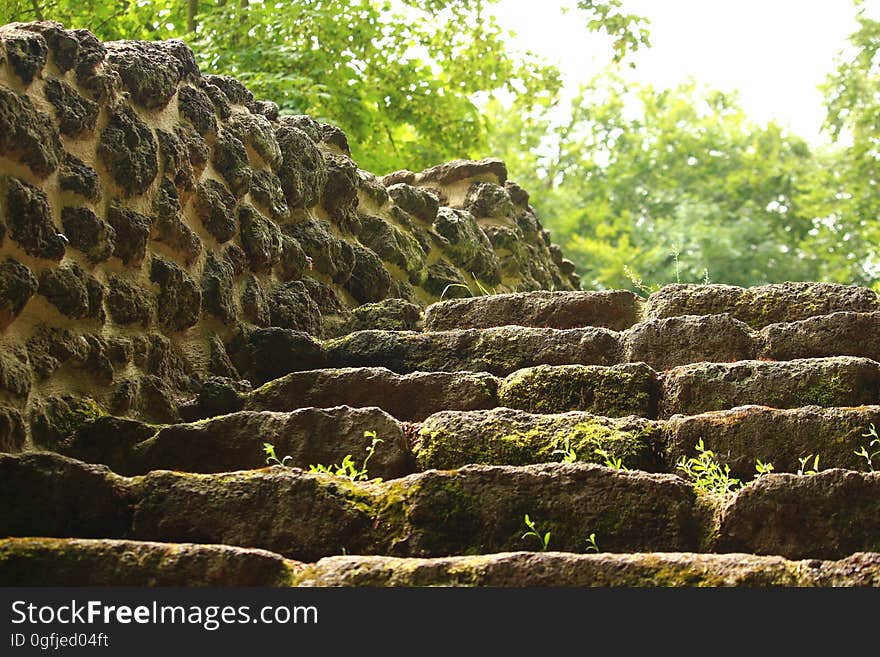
[347, 469]
[544, 539]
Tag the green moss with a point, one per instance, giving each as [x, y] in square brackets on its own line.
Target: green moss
[832, 391]
[66, 420]
[498, 442]
[611, 392]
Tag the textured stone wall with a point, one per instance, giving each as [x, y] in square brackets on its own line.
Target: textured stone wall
[162, 233]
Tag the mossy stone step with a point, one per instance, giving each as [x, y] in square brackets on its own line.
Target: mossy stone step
[620, 390]
[309, 436]
[498, 350]
[306, 516]
[412, 396]
[559, 569]
[613, 309]
[106, 562]
[742, 435]
[503, 436]
[835, 381]
[827, 515]
[837, 334]
[761, 305]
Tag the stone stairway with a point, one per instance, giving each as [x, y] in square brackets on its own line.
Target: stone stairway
[476, 412]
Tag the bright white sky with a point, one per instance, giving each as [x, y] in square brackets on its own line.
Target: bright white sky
[775, 52]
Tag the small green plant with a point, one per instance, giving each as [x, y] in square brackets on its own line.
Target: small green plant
[762, 469]
[875, 442]
[347, 468]
[610, 461]
[533, 531]
[482, 289]
[451, 285]
[566, 451]
[592, 546]
[269, 450]
[707, 474]
[804, 469]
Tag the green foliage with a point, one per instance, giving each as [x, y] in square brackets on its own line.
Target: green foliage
[707, 475]
[568, 453]
[762, 469]
[271, 458]
[592, 546]
[609, 460]
[544, 539]
[348, 469]
[869, 456]
[804, 469]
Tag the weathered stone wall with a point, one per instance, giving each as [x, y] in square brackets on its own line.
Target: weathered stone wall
[160, 227]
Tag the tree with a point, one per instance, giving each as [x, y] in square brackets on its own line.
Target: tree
[400, 78]
[665, 185]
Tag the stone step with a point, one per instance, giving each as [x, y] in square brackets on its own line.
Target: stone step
[827, 516]
[503, 436]
[472, 510]
[560, 569]
[309, 436]
[740, 436]
[613, 309]
[412, 396]
[499, 350]
[89, 562]
[266, 354]
[835, 381]
[105, 562]
[762, 305]
[306, 516]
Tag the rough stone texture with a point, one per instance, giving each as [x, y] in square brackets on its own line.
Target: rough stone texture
[89, 562]
[407, 397]
[128, 149]
[763, 305]
[231, 160]
[558, 569]
[778, 436]
[480, 509]
[266, 191]
[218, 280]
[168, 227]
[132, 232]
[27, 134]
[386, 315]
[302, 516]
[291, 307]
[39, 500]
[467, 245]
[14, 374]
[17, 286]
[490, 169]
[418, 202]
[268, 353]
[75, 113]
[330, 255]
[303, 173]
[76, 176]
[488, 200]
[180, 299]
[254, 302]
[29, 219]
[27, 51]
[215, 207]
[175, 160]
[260, 237]
[395, 246]
[369, 281]
[89, 234]
[629, 389]
[615, 309]
[196, 106]
[499, 351]
[837, 334]
[72, 291]
[128, 303]
[841, 381]
[503, 436]
[151, 70]
[310, 436]
[12, 430]
[446, 282]
[665, 343]
[824, 516]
